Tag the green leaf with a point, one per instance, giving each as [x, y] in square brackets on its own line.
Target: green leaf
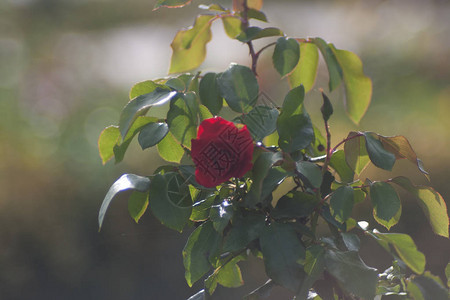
[261, 121]
[401, 148]
[318, 146]
[260, 170]
[190, 82]
[272, 181]
[286, 55]
[256, 14]
[355, 152]
[201, 246]
[182, 118]
[120, 148]
[244, 230]
[210, 94]
[232, 26]
[201, 209]
[140, 105]
[379, 156]
[230, 276]
[271, 140]
[326, 215]
[293, 116]
[431, 203]
[239, 87]
[305, 71]
[189, 45]
[170, 201]
[351, 240]
[282, 250]
[108, 138]
[137, 205]
[142, 88]
[334, 68]
[124, 183]
[171, 3]
[358, 87]
[339, 164]
[294, 205]
[169, 149]
[341, 203]
[204, 113]
[227, 275]
[406, 249]
[311, 171]
[221, 215]
[386, 203]
[254, 33]
[353, 274]
[427, 287]
[327, 108]
[176, 84]
[151, 134]
[314, 266]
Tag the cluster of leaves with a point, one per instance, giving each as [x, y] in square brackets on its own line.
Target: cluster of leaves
[247, 216]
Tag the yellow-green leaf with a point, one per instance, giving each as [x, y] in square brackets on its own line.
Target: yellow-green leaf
[334, 69]
[189, 46]
[107, 140]
[358, 87]
[406, 250]
[401, 148]
[355, 153]
[137, 205]
[232, 26]
[142, 88]
[306, 70]
[431, 202]
[169, 149]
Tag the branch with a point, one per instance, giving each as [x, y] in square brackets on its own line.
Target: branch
[245, 25]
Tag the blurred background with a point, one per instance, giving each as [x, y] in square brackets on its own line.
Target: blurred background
[66, 67]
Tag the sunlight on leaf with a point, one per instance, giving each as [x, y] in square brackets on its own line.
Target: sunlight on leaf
[306, 69]
[125, 182]
[189, 46]
[431, 202]
[358, 87]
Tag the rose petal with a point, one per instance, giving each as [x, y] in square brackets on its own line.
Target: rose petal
[221, 151]
[209, 128]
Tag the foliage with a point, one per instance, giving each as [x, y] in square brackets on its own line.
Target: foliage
[235, 217]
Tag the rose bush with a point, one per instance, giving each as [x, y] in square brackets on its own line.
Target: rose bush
[253, 215]
[221, 151]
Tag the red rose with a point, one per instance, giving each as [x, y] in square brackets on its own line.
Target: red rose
[221, 151]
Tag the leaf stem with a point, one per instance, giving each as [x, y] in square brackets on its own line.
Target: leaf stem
[329, 151]
[265, 47]
[346, 140]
